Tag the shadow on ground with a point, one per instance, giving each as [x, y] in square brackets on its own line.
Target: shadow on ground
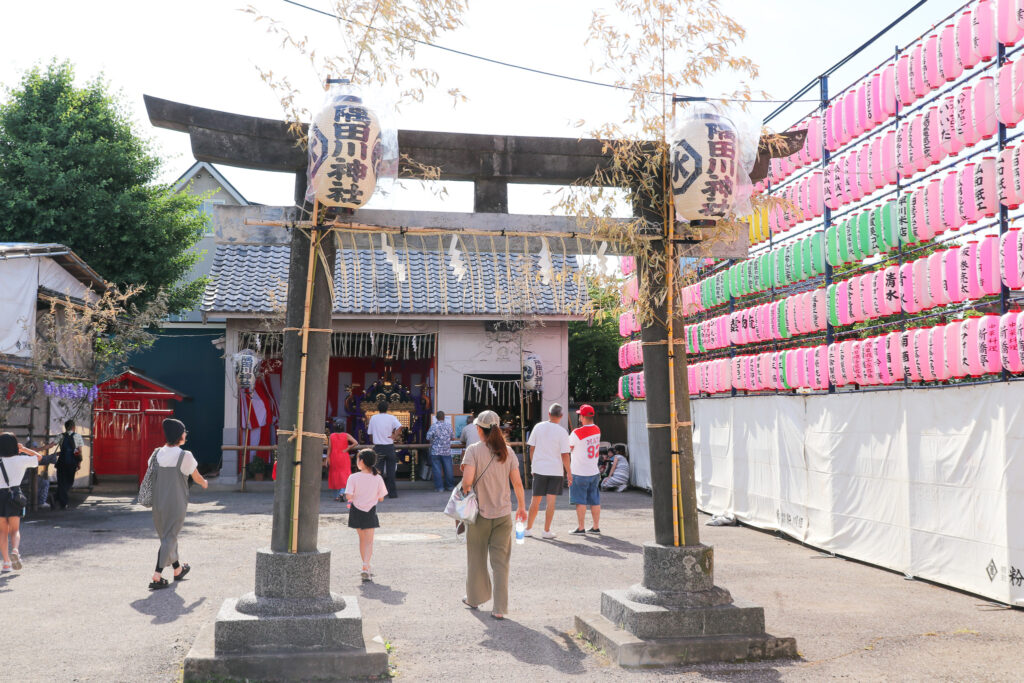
[530, 646]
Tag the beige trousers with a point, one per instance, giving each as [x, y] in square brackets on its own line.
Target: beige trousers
[488, 537]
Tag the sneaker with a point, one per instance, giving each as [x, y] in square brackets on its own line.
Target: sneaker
[593, 530]
[15, 559]
[578, 532]
[621, 487]
[528, 533]
[548, 534]
[6, 567]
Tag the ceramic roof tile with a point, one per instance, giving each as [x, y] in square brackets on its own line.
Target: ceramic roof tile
[253, 279]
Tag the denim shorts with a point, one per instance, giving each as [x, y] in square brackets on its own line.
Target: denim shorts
[584, 490]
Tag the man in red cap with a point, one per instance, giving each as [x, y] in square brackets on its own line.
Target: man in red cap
[584, 450]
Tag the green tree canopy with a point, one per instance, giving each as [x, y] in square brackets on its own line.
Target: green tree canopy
[594, 351]
[72, 171]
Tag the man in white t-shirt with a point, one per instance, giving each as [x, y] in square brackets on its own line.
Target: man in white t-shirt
[585, 448]
[549, 459]
[384, 428]
[469, 435]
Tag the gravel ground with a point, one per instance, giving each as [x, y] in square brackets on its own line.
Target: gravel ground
[81, 609]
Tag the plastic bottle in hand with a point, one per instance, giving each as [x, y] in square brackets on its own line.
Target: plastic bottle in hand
[520, 532]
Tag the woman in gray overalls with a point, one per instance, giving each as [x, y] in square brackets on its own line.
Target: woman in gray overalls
[174, 466]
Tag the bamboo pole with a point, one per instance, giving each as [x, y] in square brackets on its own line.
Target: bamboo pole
[522, 410]
[293, 535]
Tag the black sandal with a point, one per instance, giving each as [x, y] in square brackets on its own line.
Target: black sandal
[466, 603]
[157, 585]
[184, 570]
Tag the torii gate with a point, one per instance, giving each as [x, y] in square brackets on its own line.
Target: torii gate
[491, 163]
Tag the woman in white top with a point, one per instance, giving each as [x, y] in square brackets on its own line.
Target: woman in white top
[15, 459]
[170, 499]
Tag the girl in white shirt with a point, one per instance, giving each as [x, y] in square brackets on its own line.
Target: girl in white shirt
[16, 459]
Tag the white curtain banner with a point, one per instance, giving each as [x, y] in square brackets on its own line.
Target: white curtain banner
[18, 305]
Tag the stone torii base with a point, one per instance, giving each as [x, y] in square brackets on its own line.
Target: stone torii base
[292, 627]
[678, 616]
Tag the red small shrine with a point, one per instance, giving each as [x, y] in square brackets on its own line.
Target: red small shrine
[127, 422]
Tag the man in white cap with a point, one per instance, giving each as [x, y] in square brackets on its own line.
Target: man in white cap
[549, 458]
[584, 492]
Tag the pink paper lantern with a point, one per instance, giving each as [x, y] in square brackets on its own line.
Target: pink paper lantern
[949, 58]
[917, 70]
[922, 296]
[932, 137]
[951, 275]
[985, 187]
[965, 41]
[984, 102]
[894, 354]
[947, 126]
[923, 355]
[968, 269]
[1009, 21]
[966, 201]
[965, 131]
[1008, 195]
[815, 139]
[857, 311]
[903, 150]
[989, 280]
[831, 139]
[951, 217]
[937, 354]
[907, 287]
[888, 89]
[881, 360]
[918, 155]
[904, 81]
[891, 291]
[843, 308]
[936, 278]
[988, 344]
[864, 179]
[889, 168]
[932, 69]
[875, 114]
[863, 120]
[1009, 346]
[908, 346]
[849, 373]
[983, 32]
[1018, 81]
[1011, 258]
[955, 360]
[850, 128]
[1006, 111]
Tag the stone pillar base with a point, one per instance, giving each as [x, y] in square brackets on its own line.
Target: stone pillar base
[292, 627]
[678, 616]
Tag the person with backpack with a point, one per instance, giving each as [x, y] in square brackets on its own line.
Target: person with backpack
[69, 459]
[173, 466]
[14, 460]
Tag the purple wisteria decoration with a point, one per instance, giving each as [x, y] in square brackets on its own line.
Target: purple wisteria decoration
[71, 391]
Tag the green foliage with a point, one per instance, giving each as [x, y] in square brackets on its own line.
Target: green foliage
[594, 350]
[72, 171]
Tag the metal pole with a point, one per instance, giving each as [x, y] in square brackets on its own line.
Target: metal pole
[826, 156]
[1004, 216]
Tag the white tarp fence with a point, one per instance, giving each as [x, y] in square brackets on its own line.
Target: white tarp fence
[928, 482]
[636, 441]
[18, 280]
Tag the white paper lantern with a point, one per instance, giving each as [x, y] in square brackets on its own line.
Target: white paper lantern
[533, 373]
[345, 151]
[710, 160]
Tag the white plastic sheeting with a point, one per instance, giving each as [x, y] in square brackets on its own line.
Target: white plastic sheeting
[928, 482]
[636, 440]
[18, 281]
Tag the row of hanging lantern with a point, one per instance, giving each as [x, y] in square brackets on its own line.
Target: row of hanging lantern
[630, 354]
[947, 276]
[972, 347]
[632, 386]
[960, 198]
[938, 58]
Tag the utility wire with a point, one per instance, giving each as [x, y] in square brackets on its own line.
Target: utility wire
[539, 72]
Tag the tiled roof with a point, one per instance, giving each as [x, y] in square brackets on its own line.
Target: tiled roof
[253, 279]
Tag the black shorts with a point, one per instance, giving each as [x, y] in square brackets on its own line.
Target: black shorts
[545, 485]
[357, 519]
[7, 506]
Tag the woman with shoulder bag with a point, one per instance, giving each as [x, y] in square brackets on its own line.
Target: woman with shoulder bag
[487, 467]
[14, 460]
[170, 499]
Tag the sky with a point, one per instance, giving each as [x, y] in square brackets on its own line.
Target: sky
[209, 53]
